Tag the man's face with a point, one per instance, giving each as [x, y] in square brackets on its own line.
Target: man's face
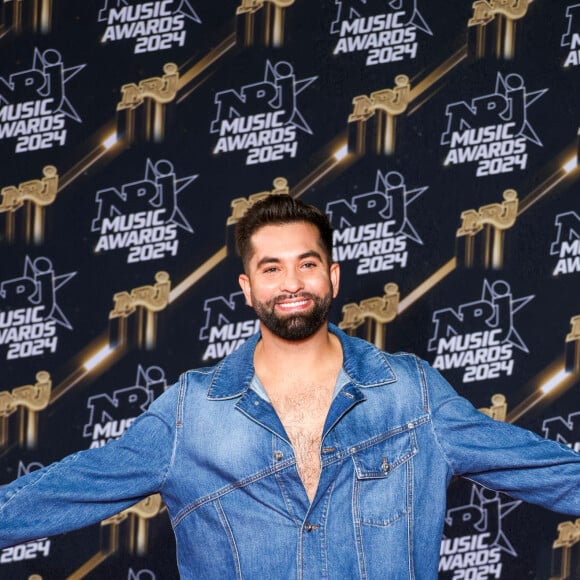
[289, 282]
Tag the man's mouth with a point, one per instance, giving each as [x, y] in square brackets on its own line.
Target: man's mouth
[293, 304]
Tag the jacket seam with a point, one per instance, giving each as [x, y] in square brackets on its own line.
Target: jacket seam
[177, 428]
[49, 469]
[425, 385]
[410, 519]
[230, 535]
[229, 488]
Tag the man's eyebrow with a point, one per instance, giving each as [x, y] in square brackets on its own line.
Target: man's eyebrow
[311, 254]
[267, 260]
[273, 260]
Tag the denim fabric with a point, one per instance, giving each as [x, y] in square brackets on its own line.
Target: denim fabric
[395, 434]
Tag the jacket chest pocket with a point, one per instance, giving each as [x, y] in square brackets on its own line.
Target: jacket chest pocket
[383, 479]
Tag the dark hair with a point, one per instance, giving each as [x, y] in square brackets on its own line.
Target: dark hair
[277, 209]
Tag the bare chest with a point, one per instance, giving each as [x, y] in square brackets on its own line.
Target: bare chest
[303, 414]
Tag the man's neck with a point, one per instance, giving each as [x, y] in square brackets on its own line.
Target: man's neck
[319, 353]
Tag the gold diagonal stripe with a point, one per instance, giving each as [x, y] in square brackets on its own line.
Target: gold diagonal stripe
[427, 285]
[433, 77]
[198, 274]
[554, 380]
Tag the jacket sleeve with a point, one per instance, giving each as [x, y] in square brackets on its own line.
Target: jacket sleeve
[92, 485]
[500, 456]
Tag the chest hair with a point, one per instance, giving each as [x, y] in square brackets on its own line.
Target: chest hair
[303, 410]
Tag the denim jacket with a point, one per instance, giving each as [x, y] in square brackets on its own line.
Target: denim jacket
[395, 434]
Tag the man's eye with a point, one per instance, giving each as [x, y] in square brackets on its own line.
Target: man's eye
[309, 265]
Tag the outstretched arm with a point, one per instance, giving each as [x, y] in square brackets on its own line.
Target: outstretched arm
[89, 486]
[501, 456]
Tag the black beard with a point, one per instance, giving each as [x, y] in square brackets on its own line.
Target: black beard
[294, 326]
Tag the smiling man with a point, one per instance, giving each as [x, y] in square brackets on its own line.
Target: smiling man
[306, 453]
[290, 292]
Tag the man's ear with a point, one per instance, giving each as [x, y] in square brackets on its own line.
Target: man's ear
[244, 283]
[335, 278]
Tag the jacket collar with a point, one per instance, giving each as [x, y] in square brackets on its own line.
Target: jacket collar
[365, 365]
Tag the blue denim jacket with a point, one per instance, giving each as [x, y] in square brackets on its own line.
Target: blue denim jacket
[395, 434]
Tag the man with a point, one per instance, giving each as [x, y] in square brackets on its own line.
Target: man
[304, 454]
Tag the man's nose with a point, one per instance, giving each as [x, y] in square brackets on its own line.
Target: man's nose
[292, 282]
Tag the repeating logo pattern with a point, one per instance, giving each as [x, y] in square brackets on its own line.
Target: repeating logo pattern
[34, 108]
[384, 31]
[30, 316]
[479, 336]
[372, 229]
[262, 119]
[143, 217]
[493, 131]
[134, 133]
[153, 26]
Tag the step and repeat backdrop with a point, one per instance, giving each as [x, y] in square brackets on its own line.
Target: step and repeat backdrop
[439, 137]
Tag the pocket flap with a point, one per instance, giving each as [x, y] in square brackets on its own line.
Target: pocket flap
[380, 459]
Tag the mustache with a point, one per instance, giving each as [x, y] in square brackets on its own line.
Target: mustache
[297, 295]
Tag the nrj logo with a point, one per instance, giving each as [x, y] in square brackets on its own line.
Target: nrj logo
[493, 130]
[26, 468]
[479, 337]
[564, 430]
[226, 326]
[33, 105]
[155, 26]
[567, 243]
[262, 118]
[571, 38]
[29, 313]
[372, 229]
[384, 30]
[474, 541]
[143, 574]
[111, 415]
[143, 217]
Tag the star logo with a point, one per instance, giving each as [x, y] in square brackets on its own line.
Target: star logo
[483, 514]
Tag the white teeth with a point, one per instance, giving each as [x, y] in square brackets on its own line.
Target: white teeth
[293, 304]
